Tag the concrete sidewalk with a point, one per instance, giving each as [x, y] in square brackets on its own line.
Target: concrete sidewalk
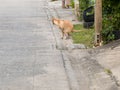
[98, 68]
[87, 72]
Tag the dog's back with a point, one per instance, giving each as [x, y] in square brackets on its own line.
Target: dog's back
[65, 25]
[68, 26]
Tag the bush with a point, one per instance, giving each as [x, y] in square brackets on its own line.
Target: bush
[111, 19]
[72, 4]
[84, 4]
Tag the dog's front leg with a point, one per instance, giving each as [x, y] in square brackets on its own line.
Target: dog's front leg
[62, 35]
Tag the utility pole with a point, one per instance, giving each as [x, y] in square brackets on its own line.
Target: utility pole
[98, 22]
[63, 3]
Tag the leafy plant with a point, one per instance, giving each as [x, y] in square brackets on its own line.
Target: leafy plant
[84, 4]
[111, 19]
[72, 4]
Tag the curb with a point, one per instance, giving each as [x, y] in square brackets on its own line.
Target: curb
[73, 83]
[63, 45]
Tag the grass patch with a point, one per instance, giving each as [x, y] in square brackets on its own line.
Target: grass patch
[108, 71]
[86, 36]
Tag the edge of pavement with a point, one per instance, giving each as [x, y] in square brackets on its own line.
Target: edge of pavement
[62, 45]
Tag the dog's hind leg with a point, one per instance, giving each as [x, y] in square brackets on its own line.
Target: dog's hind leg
[69, 36]
[66, 35]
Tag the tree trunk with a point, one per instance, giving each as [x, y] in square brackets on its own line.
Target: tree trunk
[63, 3]
[98, 22]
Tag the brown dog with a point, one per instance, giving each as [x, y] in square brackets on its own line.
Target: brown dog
[65, 25]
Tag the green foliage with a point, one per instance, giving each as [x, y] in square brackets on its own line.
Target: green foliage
[84, 4]
[107, 30]
[108, 71]
[72, 4]
[111, 19]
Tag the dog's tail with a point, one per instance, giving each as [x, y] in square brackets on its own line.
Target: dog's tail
[77, 30]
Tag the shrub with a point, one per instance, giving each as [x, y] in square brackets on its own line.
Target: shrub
[111, 19]
[72, 4]
[84, 4]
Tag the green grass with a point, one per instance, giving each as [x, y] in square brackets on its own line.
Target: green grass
[108, 71]
[86, 36]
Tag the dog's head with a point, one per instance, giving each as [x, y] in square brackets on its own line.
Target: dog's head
[55, 21]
